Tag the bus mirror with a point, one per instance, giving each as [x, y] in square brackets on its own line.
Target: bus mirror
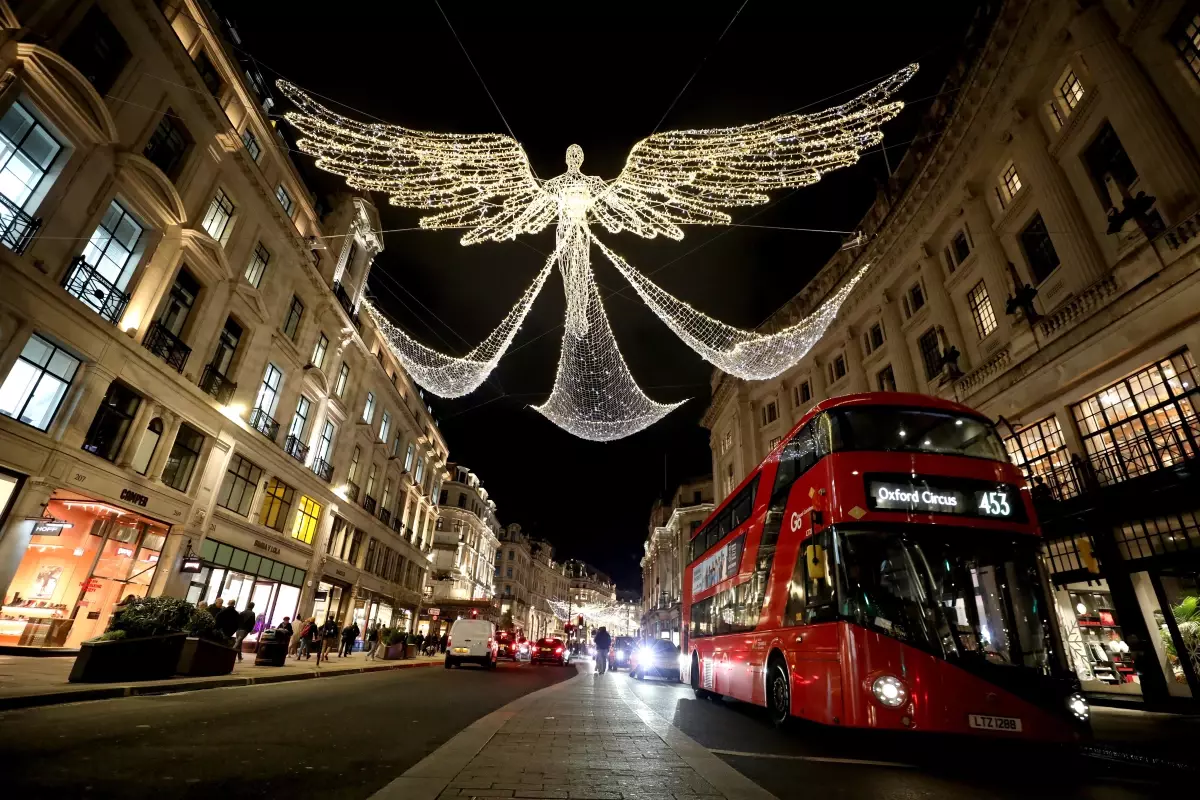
[816, 561]
[817, 519]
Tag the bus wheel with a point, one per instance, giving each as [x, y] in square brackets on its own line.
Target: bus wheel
[779, 693]
[694, 674]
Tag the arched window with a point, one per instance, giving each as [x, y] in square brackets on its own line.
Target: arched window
[145, 451]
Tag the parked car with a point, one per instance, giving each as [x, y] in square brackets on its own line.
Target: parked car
[621, 651]
[551, 651]
[655, 659]
[471, 641]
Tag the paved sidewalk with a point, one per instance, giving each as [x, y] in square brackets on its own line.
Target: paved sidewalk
[26, 681]
[588, 738]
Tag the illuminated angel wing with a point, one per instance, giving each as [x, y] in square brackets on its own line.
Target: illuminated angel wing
[686, 177]
[478, 181]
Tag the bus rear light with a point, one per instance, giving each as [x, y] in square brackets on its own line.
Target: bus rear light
[890, 691]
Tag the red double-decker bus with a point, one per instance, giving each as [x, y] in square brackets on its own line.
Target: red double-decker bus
[879, 569]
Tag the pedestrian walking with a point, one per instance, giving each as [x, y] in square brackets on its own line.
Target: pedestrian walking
[372, 640]
[349, 635]
[603, 641]
[228, 619]
[307, 633]
[442, 644]
[246, 621]
[329, 636]
[285, 626]
[318, 641]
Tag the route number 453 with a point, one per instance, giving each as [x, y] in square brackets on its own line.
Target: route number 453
[994, 504]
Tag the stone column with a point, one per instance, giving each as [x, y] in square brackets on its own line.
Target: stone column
[213, 464]
[856, 376]
[943, 311]
[1068, 226]
[92, 388]
[206, 325]
[171, 423]
[897, 345]
[1158, 148]
[16, 343]
[138, 430]
[992, 261]
[18, 530]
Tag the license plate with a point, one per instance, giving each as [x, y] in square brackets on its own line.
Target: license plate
[462, 649]
[989, 723]
[545, 649]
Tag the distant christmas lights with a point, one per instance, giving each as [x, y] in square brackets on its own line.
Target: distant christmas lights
[484, 183]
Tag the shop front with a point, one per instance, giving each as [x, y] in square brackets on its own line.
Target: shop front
[239, 576]
[333, 600]
[83, 559]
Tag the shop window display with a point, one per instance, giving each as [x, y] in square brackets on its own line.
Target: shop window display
[1094, 639]
[67, 585]
[241, 577]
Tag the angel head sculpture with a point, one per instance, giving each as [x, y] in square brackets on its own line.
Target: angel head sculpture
[484, 185]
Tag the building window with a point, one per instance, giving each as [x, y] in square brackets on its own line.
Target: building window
[771, 446]
[396, 445]
[420, 471]
[371, 479]
[1111, 171]
[803, 393]
[914, 299]
[1039, 250]
[1010, 184]
[97, 50]
[931, 353]
[300, 418]
[110, 257]
[27, 151]
[369, 408]
[339, 386]
[258, 265]
[35, 386]
[352, 475]
[385, 426]
[291, 323]
[308, 516]
[250, 142]
[770, 413]
[408, 457]
[277, 503]
[886, 379]
[168, 144]
[209, 74]
[268, 393]
[1070, 90]
[1142, 423]
[216, 219]
[325, 445]
[182, 460]
[285, 199]
[111, 423]
[1185, 35]
[1041, 452]
[237, 490]
[873, 338]
[961, 243]
[837, 368]
[318, 355]
[981, 310]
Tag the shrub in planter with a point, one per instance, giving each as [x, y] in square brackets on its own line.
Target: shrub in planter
[143, 642]
[207, 650]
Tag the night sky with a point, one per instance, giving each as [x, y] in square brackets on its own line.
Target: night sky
[600, 75]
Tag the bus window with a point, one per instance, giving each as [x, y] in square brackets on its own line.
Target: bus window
[811, 593]
[915, 430]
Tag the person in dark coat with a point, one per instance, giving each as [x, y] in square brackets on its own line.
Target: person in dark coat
[329, 636]
[228, 619]
[246, 622]
[349, 635]
[603, 641]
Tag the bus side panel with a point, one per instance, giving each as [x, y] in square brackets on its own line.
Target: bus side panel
[814, 661]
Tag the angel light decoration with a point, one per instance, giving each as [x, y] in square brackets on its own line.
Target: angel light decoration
[483, 183]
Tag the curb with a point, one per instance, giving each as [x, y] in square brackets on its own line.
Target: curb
[187, 685]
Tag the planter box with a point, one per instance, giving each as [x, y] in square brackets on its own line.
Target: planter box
[204, 657]
[392, 652]
[147, 659]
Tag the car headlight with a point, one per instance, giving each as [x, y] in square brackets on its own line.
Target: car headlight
[620, 654]
[644, 654]
[1078, 706]
[890, 691]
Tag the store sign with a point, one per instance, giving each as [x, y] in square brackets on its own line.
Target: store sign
[43, 526]
[270, 548]
[130, 496]
[191, 564]
[961, 497]
[434, 612]
[718, 566]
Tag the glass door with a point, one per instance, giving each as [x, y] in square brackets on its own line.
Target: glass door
[1179, 628]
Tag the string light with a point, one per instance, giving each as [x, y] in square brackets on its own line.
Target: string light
[483, 182]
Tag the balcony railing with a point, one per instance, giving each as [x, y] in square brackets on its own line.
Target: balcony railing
[167, 346]
[347, 304]
[295, 448]
[1140, 455]
[261, 421]
[214, 383]
[323, 469]
[368, 503]
[385, 516]
[397, 524]
[352, 491]
[84, 283]
[17, 228]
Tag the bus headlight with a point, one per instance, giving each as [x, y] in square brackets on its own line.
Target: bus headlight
[1078, 705]
[889, 691]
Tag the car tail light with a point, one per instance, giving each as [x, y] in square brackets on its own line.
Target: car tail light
[558, 651]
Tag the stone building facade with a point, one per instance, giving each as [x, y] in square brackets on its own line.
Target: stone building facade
[664, 561]
[466, 536]
[1035, 256]
[190, 401]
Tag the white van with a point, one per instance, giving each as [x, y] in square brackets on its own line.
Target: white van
[471, 640]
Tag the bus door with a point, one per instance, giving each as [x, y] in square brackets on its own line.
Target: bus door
[811, 635]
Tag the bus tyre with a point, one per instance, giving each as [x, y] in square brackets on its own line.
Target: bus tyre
[694, 675]
[779, 693]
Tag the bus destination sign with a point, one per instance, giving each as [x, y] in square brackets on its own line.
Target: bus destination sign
[961, 497]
